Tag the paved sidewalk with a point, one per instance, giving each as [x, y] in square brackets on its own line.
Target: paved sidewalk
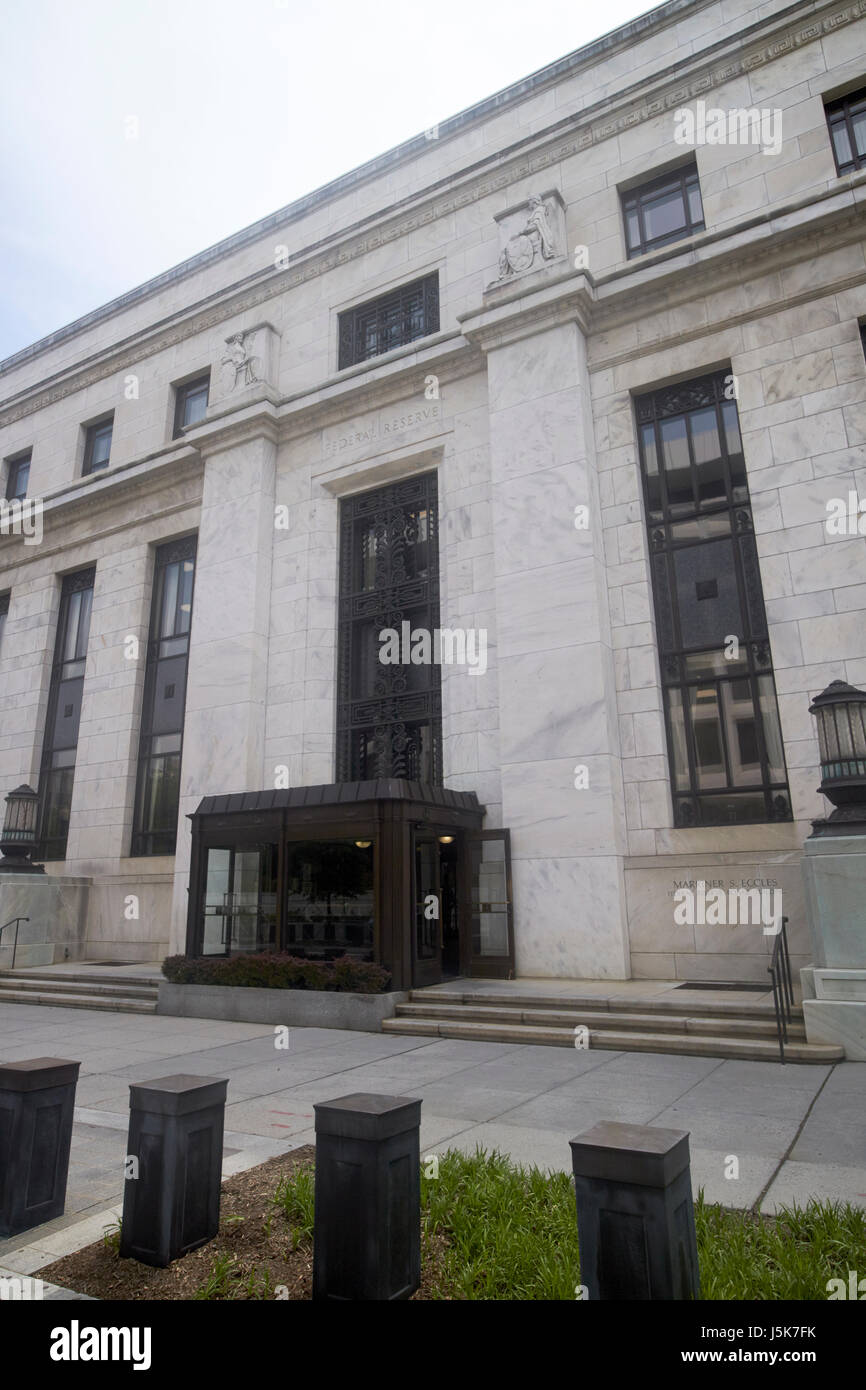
[797, 1131]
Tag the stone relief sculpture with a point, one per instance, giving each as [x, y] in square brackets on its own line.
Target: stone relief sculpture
[239, 360]
[535, 241]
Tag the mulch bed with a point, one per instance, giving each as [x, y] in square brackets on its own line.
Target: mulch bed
[98, 1270]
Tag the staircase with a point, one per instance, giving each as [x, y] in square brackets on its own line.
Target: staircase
[739, 1028]
[115, 991]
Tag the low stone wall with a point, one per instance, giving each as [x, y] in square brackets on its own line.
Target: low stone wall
[295, 1008]
[57, 909]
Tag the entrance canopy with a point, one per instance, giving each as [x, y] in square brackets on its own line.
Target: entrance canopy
[371, 869]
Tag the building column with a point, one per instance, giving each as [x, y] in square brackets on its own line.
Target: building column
[224, 729]
[561, 776]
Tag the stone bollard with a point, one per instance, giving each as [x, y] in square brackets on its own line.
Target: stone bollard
[367, 1238]
[635, 1218]
[37, 1098]
[171, 1197]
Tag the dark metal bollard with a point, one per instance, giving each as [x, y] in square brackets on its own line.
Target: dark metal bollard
[176, 1139]
[37, 1098]
[367, 1237]
[635, 1218]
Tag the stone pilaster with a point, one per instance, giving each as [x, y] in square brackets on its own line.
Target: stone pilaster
[224, 732]
[561, 777]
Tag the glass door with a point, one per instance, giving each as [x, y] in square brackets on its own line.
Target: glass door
[489, 910]
[240, 900]
[427, 897]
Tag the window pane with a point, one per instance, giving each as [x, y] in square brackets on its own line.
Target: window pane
[70, 634]
[169, 599]
[664, 213]
[632, 225]
[705, 435]
[675, 451]
[678, 740]
[733, 442]
[696, 210]
[858, 123]
[841, 143]
[651, 469]
[736, 808]
[184, 616]
[83, 634]
[707, 737]
[740, 726]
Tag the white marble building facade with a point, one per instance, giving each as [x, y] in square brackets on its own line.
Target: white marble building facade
[522, 402]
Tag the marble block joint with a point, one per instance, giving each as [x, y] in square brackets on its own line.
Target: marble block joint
[635, 1218]
[37, 1098]
[171, 1204]
[367, 1242]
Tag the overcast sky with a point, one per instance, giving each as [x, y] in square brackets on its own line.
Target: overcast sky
[136, 133]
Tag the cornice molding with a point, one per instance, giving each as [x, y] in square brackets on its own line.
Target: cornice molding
[663, 91]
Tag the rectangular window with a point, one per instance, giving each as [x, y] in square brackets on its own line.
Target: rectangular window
[17, 478]
[158, 785]
[390, 321]
[97, 448]
[4, 609]
[846, 119]
[190, 403]
[662, 211]
[64, 714]
[727, 763]
[389, 717]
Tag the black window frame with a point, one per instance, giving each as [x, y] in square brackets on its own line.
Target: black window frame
[60, 746]
[838, 113]
[633, 200]
[724, 518]
[183, 392]
[389, 321]
[14, 467]
[4, 612]
[93, 434]
[403, 712]
[162, 648]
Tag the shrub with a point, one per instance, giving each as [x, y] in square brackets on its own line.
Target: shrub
[278, 970]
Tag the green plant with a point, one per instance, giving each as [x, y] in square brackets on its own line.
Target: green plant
[295, 1196]
[277, 970]
[111, 1235]
[219, 1281]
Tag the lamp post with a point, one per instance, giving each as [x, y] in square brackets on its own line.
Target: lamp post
[18, 837]
[840, 714]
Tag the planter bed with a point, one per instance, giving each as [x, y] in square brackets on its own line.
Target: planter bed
[296, 1008]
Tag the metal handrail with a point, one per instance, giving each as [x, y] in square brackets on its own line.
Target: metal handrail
[13, 922]
[779, 971]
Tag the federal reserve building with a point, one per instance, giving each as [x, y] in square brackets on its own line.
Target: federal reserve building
[463, 568]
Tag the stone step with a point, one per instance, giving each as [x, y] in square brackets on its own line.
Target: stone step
[664, 1005]
[133, 989]
[115, 1002]
[753, 1049]
[570, 1018]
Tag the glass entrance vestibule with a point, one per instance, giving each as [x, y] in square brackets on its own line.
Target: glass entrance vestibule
[391, 871]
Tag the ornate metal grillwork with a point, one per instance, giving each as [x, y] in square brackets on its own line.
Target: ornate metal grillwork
[389, 717]
[390, 321]
[724, 740]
